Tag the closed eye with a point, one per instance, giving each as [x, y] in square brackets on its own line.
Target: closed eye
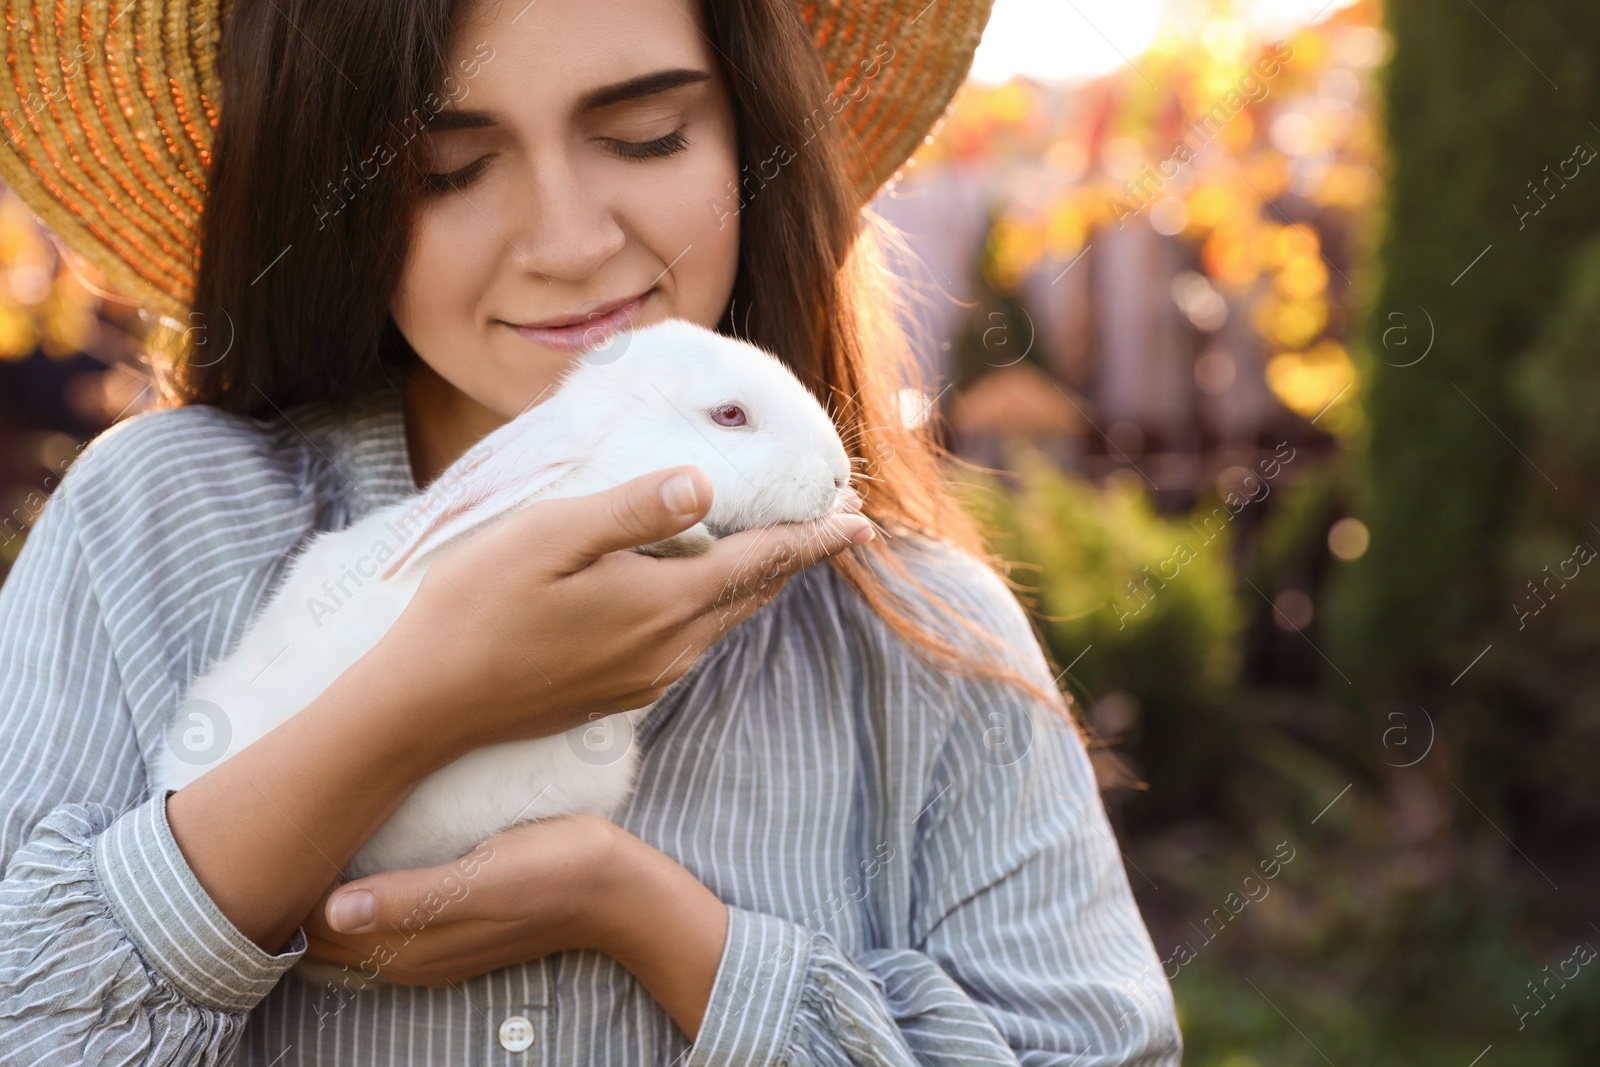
[661, 147]
[636, 151]
[456, 179]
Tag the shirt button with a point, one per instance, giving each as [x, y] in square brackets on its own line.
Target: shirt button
[516, 1033]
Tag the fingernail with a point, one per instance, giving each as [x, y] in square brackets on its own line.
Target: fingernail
[351, 911]
[862, 531]
[679, 495]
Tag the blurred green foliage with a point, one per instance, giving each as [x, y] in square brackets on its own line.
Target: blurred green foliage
[1480, 100]
[1549, 617]
[1478, 474]
[1557, 389]
[1407, 931]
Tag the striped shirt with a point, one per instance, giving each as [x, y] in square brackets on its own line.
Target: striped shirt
[901, 888]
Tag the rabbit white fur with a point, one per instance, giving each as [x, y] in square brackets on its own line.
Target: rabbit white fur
[612, 417]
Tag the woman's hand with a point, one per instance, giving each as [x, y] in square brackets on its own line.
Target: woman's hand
[540, 622]
[573, 881]
[524, 893]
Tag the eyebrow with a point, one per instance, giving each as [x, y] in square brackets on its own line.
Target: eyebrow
[644, 85]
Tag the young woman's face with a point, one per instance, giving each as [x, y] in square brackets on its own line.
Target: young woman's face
[593, 148]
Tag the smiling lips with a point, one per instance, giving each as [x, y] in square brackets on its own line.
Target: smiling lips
[586, 332]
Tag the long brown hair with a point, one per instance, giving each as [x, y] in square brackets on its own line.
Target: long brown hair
[314, 181]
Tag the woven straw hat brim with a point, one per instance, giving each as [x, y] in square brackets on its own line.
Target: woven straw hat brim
[108, 111]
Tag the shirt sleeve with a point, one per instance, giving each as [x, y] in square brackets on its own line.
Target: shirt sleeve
[1027, 945]
[110, 950]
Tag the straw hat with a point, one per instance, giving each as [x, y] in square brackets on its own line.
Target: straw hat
[108, 114]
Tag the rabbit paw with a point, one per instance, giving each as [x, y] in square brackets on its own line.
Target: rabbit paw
[691, 542]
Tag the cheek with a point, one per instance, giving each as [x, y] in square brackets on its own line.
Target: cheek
[692, 222]
[436, 302]
[715, 255]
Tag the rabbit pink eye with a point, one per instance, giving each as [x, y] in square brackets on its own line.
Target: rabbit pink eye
[728, 415]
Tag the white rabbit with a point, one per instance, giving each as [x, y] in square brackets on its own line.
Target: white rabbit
[670, 393]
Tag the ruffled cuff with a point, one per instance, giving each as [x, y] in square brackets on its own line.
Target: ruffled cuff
[756, 992]
[787, 994]
[177, 927]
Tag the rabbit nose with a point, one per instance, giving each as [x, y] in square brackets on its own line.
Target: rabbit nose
[840, 481]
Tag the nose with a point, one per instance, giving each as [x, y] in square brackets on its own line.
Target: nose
[561, 229]
[840, 481]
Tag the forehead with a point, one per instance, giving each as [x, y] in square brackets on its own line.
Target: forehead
[550, 55]
[720, 368]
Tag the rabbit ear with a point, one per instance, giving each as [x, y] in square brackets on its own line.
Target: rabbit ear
[513, 464]
[486, 494]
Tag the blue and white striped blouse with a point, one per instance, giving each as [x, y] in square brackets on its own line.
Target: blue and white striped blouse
[901, 889]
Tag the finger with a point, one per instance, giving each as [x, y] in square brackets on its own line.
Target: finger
[351, 954]
[404, 900]
[427, 958]
[648, 508]
[754, 564]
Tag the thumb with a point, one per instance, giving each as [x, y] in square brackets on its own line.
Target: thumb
[388, 900]
[637, 512]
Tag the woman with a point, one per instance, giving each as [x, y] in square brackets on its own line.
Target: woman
[865, 829]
